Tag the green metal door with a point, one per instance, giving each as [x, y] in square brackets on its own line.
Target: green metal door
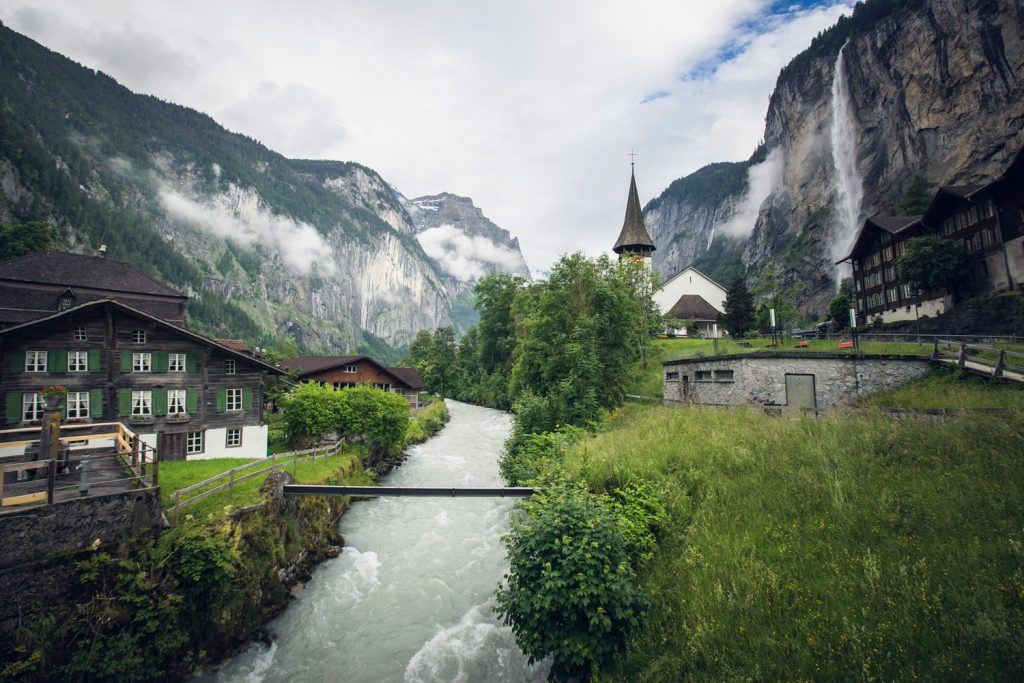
[800, 391]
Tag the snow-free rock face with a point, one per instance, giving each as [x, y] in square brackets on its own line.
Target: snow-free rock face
[936, 89]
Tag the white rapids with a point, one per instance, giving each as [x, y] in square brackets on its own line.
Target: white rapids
[410, 598]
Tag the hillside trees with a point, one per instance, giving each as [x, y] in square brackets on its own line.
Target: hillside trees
[739, 309]
[25, 238]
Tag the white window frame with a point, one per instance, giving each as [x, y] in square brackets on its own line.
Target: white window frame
[230, 366]
[80, 333]
[176, 362]
[142, 361]
[78, 361]
[350, 368]
[233, 437]
[138, 336]
[194, 442]
[78, 405]
[383, 386]
[35, 361]
[31, 407]
[176, 402]
[233, 400]
[142, 403]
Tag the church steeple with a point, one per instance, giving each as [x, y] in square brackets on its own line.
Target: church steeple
[633, 240]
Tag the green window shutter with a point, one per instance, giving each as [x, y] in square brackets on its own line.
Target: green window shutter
[222, 400]
[159, 401]
[247, 398]
[14, 406]
[57, 361]
[96, 402]
[126, 361]
[160, 361]
[190, 362]
[124, 399]
[94, 360]
[17, 361]
[192, 401]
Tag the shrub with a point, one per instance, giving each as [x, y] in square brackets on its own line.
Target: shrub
[527, 457]
[312, 409]
[570, 592]
[379, 416]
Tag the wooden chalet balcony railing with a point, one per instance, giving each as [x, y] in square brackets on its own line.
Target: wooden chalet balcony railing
[76, 471]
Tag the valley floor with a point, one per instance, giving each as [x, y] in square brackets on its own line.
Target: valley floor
[853, 546]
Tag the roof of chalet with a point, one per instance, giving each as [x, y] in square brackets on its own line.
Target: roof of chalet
[235, 344]
[309, 365]
[693, 307]
[634, 232]
[696, 270]
[890, 224]
[151, 318]
[80, 270]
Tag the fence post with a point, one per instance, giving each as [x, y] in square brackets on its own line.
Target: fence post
[177, 507]
[156, 468]
[935, 349]
[962, 357]
[998, 370]
[295, 466]
[231, 484]
[51, 481]
[135, 449]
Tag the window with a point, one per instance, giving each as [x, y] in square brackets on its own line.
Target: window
[35, 361]
[31, 407]
[78, 404]
[702, 376]
[175, 401]
[193, 443]
[176, 362]
[344, 385]
[229, 366]
[890, 273]
[988, 209]
[142, 403]
[887, 254]
[234, 401]
[891, 295]
[671, 376]
[723, 375]
[234, 437]
[80, 334]
[78, 361]
[382, 385]
[972, 215]
[142, 362]
[860, 286]
[905, 291]
[351, 367]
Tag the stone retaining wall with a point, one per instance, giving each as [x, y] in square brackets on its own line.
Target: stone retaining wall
[760, 379]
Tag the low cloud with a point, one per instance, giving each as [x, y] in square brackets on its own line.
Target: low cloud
[239, 215]
[466, 256]
[762, 180]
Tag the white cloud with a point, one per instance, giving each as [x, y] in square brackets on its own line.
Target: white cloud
[466, 256]
[762, 180]
[238, 215]
[529, 107]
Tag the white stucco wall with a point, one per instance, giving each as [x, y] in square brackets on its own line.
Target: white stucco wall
[926, 308]
[254, 444]
[690, 281]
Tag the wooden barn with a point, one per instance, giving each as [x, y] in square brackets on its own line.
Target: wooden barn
[350, 371]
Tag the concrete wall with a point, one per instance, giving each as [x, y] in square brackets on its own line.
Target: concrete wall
[254, 444]
[689, 282]
[761, 380]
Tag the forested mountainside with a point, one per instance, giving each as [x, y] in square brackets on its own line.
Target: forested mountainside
[269, 248]
[931, 90]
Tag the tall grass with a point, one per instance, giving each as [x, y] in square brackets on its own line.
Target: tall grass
[851, 547]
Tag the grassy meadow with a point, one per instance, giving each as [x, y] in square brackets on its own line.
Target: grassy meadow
[837, 548]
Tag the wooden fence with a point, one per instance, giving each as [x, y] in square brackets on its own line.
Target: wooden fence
[979, 358]
[247, 471]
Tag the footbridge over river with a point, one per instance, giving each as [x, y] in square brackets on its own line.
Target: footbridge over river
[409, 491]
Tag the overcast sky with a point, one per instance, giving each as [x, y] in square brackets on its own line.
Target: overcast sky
[530, 108]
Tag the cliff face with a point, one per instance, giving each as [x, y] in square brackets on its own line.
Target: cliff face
[932, 89]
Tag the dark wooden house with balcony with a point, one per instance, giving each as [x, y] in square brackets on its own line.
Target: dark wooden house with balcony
[185, 394]
[988, 220]
[349, 371]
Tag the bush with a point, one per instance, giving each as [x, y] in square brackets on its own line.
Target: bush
[379, 416]
[312, 409]
[571, 591]
[527, 457]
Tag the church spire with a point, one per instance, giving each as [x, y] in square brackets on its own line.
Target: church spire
[634, 238]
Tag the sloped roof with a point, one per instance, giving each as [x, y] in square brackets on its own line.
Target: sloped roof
[410, 376]
[305, 365]
[890, 224]
[634, 232]
[235, 345]
[79, 270]
[696, 270]
[693, 307]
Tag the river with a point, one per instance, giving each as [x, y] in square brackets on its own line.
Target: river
[410, 597]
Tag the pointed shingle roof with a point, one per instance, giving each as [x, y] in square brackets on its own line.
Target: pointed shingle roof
[634, 236]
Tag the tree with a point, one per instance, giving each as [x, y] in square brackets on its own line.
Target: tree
[739, 309]
[443, 369]
[839, 311]
[916, 197]
[26, 238]
[932, 264]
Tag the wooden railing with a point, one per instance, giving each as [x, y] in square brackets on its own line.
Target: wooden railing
[247, 471]
[971, 356]
[129, 456]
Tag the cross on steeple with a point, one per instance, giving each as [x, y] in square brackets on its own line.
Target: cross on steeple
[632, 159]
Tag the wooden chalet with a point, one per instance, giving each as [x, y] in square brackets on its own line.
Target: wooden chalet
[349, 371]
[186, 395]
[987, 219]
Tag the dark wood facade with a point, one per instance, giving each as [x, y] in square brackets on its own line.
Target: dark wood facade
[987, 219]
[349, 371]
[103, 349]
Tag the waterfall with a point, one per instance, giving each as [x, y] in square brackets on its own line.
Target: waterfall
[849, 189]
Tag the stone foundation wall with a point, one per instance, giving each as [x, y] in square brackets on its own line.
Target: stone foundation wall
[761, 379]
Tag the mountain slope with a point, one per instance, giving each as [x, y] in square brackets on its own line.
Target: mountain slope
[925, 89]
[269, 248]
